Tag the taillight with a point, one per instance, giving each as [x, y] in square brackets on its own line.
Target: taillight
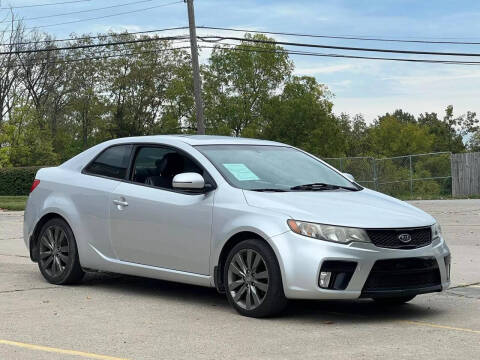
[35, 184]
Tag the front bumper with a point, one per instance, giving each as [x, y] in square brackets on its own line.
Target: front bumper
[301, 258]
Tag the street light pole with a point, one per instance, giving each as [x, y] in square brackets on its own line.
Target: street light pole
[197, 82]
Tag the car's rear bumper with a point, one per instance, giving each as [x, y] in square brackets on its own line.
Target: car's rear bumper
[301, 260]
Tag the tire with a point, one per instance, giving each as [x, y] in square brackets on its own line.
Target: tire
[57, 253]
[253, 281]
[394, 300]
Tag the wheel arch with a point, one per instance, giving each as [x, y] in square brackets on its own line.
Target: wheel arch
[229, 245]
[34, 238]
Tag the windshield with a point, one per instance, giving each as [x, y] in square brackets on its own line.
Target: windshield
[271, 168]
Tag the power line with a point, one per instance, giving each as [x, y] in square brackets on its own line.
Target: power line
[79, 11]
[250, 49]
[47, 4]
[101, 57]
[105, 16]
[217, 28]
[306, 53]
[352, 37]
[87, 46]
[204, 39]
[96, 36]
[349, 48]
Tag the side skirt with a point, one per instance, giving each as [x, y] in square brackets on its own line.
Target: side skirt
[123, 267]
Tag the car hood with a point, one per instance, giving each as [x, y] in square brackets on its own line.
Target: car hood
[363, 209]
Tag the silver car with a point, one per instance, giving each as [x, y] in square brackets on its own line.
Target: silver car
[260, 221]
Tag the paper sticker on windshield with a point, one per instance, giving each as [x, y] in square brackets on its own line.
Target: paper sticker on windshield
[241, 172]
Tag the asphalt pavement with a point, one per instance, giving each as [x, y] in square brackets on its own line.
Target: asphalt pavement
[115, 317]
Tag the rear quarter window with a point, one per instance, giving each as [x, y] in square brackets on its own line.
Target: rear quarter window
[112, 162]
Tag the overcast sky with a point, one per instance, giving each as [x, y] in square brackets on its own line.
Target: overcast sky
[360, 86]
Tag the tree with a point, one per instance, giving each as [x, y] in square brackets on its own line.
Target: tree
[9, 69]
[445, 136]
[137, 85]
[390, 136]
[302, 116]
[41, 77]
[474, 142]
[400, 115]
[85, 105]
[355, 131]
[239, 81]
[26, 143]
[55, 103]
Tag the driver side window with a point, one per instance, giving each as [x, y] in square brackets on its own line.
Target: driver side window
[157, 166]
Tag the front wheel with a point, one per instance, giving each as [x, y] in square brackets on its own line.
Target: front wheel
[57, 253]
[253, 280]
[399, 300]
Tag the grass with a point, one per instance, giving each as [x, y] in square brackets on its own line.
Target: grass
[13, 202]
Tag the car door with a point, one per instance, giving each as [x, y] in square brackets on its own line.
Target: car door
[156, 225]
[91, 194]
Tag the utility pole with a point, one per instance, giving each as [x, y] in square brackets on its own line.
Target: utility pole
[197, 82]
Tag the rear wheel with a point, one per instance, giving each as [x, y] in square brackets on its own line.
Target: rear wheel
[399, 300]
[57, 253]
[253, 280]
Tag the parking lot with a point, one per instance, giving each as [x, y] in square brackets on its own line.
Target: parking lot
[122, 317]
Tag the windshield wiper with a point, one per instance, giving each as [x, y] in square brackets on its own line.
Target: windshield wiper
[269, 190]
[321, 186]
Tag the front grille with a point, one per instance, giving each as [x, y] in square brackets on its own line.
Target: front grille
[389, 238]
[403, 274]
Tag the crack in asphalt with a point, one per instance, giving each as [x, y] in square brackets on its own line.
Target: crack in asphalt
[463, 285]
[451, 291]
[13, 255]
[22, 290]
[465, 296]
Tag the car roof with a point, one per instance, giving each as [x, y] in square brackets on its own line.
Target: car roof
[198, 140]
[81, 159]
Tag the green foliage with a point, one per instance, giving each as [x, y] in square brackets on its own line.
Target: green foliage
[473, 143]
[239, 83]
[17, 181]
[390, 136]
[446, 138]
[56, 109]
[15, 203]
[355, 135]
[24, 142]
[302, 116]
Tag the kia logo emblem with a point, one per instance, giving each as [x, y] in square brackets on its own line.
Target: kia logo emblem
[405, 238]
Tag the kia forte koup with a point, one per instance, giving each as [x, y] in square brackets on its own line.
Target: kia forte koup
[262, 222]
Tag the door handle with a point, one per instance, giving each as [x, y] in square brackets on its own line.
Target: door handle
[120, 203]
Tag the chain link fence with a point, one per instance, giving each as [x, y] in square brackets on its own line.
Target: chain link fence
[406, 177]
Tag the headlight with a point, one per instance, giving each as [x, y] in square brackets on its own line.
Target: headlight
[436, 231]
[337, 234]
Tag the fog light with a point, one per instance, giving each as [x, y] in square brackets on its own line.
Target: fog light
[325, 279]
[336, 274]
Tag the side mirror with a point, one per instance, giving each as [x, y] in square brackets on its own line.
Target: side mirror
[349, 176]
[188, 181]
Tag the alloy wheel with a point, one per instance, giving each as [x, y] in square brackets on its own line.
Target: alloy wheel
[248, 279]
[54, 251]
